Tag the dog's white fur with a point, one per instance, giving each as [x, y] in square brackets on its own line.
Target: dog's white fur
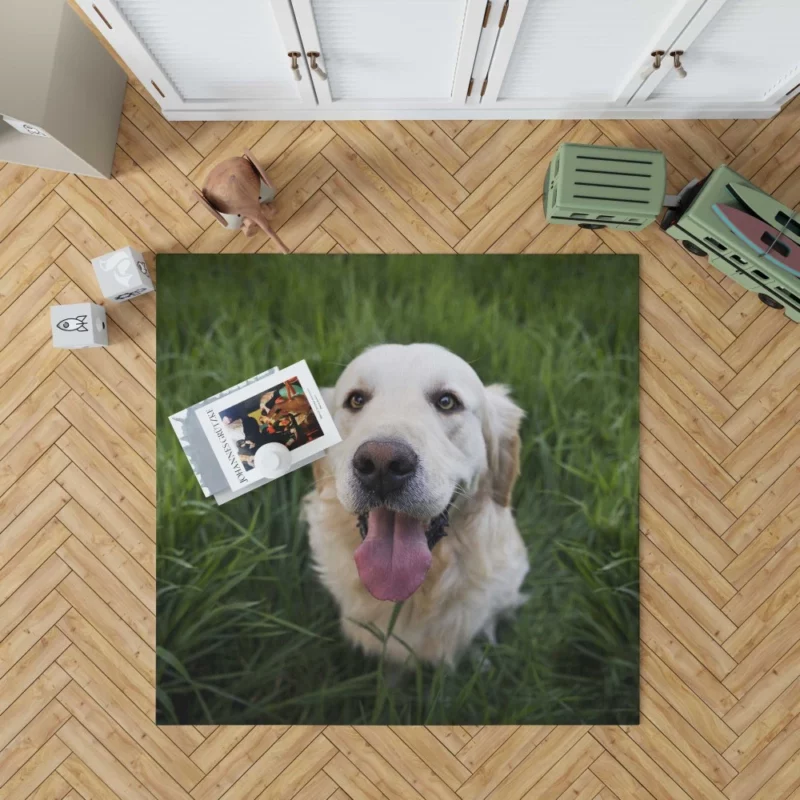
[471, 455]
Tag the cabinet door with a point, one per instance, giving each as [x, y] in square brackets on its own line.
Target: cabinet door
[390, 53]
[737, 51]
[208, 54]
[559, 54]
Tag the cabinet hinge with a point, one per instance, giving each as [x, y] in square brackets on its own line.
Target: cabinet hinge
[487, 12]
[483, 88]
[503, 15]
[469, 88]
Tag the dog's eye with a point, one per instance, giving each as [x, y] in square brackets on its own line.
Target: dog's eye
[447, 402]
[355, 400]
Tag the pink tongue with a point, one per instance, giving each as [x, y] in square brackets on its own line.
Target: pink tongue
[393, 559]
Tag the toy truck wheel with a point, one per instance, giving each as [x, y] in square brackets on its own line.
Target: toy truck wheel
[693, 248]
[769, 301]
[592, 226]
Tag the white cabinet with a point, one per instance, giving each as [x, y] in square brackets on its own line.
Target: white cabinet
[574, 54]
[580, 59]
[318, 59]
[404, 53]
[208, 55]
[736, 51]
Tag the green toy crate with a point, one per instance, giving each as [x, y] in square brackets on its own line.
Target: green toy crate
[702, 232]
[598, 187]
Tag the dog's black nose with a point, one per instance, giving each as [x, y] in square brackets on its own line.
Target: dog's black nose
[384, 466]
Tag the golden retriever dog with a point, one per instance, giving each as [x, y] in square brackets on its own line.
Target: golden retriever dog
[414, 503]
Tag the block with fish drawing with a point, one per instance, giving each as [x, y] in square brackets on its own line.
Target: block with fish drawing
[78, 325]
[122, 274]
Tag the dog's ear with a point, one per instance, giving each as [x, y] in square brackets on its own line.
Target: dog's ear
[320, 467]
[501, 433]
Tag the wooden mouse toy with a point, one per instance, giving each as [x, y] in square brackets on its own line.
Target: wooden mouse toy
[233, 188]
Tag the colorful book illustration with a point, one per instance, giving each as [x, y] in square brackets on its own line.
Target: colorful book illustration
[763, 238]
[222, 435]
[768, 209]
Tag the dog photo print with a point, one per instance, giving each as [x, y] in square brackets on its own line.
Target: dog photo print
[464, 553]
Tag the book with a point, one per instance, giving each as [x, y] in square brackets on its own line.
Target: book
[222, 435]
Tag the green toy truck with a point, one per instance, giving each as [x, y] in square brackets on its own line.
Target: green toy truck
[598, 187]
[701, 231]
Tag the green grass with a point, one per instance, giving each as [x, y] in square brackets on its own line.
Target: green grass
[246, 634]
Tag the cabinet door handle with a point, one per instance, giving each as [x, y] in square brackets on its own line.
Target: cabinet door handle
[313, 56]
[294, 55]
[676, 60]
[658, 56]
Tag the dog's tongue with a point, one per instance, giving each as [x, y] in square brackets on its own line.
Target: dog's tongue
[393, 559]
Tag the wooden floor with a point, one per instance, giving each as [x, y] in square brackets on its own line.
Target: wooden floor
[720, 513]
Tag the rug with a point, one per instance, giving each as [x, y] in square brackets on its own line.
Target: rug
[409, 576]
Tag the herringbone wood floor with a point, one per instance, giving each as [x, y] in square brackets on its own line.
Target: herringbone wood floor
[720, 508]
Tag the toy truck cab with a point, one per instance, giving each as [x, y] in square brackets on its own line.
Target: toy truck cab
[702, 232]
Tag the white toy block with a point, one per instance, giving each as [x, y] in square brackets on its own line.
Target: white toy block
[78, 325]
[122, 274]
